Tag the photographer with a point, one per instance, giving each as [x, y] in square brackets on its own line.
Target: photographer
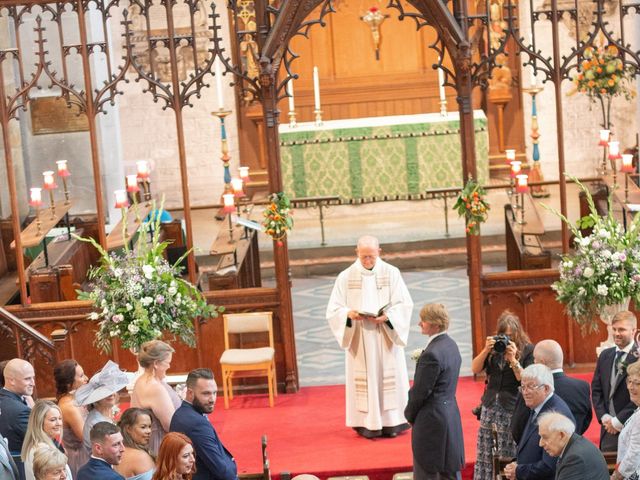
[503, 358]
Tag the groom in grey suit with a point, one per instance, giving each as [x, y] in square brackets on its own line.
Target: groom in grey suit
[8, 468]
[578, 458]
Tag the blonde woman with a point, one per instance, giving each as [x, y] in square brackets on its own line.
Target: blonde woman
[152, 392]
[44, 429]
[49, 463]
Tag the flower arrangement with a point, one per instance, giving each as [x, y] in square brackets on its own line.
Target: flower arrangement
[139, 295]
[277, 216]
[604, 269]
[472, 205]
[415, 354]
[603, 73]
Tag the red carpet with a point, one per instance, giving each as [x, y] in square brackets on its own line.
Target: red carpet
[306, 434]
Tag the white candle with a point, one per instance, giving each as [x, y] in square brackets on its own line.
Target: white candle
[142, 167]
[36, 196]
[292, 106]
[49, 182]
[316, 88]
[121, 198]
[511, 154]
[218, 68]
[443, 97]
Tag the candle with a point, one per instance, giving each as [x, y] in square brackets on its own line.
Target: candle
[49, 182]
[143, 169]
[614, 150]
[244, 173]
[121, 198]
[604, 138]
[443, 97]
[35, 197]
[229, 203]
[236, 185]
[218, 69]
[292, 106]
[132, 183]
[63, 169]
[316, 88]
[516, 168]
[511, 154]
[522, 183]
[627, 163]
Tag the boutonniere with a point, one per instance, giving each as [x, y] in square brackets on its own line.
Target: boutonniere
[415, 354]
[631, 357]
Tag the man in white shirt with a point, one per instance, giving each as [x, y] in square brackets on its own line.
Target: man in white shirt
[609, 393]
[369, 313]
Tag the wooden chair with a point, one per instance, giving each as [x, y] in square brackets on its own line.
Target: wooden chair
[498, 462]
[611, 459]
[266, 471]
[248, 362]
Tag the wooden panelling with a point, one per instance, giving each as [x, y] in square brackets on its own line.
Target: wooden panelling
[353, 84]
[528, 294]
[79, 344]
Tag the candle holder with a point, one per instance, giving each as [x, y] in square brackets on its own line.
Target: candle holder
[443, 107]
[614, 154]
[626, 169]
[292, 119]
[228, 200]
[604, 143]
[535, 172]
[36, 202]
[318, 117]
[522, 220]
[122, 202]
[221, 113]
[63, 173]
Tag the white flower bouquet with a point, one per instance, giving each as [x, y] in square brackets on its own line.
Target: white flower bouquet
[139, 296]
[603, 270]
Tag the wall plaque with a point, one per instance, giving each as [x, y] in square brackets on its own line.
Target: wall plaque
[52, 115]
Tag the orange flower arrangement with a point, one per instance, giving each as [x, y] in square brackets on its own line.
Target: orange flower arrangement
[277, 216]
[603, 73]
[472, 205]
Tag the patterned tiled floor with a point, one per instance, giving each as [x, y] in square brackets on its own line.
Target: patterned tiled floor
[320, 359]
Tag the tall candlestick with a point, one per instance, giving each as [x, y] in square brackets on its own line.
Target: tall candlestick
[316, 88]
[218, 71]
[443, 96]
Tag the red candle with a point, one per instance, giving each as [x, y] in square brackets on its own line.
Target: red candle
[516, 168]
[35, 197]
[236, 185]
[604, 138]
[132, 183]
[244, 174]
[121, 198]
[143, 169]
[522, 185]
[49, 182]
[63, 169]
[229, 202]
[511, 154]
[627, 163]
[614, 150]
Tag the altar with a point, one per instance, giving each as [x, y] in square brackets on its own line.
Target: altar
[378, 158]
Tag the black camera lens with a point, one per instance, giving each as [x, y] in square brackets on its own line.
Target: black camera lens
[502, 341]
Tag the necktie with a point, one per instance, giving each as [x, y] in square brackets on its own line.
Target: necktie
[619, 355]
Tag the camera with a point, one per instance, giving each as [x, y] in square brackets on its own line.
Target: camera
[502, 341]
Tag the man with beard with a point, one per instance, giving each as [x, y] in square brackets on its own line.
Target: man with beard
[213, 461]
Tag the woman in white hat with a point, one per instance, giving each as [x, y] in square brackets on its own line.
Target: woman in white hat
[100, 396]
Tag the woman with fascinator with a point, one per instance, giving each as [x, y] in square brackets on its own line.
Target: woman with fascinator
[44, 428]
[100, 395]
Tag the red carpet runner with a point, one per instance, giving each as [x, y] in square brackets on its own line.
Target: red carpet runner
[306, 434]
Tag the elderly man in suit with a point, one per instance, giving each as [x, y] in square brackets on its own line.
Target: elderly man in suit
[532, 462]
[106, 450]
[609, 392]
[213, 461]
[578, 458]
[575, 392]
[436, 438]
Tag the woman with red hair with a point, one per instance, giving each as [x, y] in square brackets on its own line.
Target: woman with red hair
[176, 460]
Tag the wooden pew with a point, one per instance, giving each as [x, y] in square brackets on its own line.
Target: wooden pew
[239, 265]
[524, 247]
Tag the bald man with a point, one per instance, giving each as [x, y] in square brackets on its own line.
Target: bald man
[19, 381]
[369, 313]
[575, 392]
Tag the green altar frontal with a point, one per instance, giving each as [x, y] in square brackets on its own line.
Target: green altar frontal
[385, 158]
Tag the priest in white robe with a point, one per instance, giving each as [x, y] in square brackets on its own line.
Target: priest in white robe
[369, 313]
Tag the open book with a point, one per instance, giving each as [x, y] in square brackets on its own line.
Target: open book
[374, 315]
